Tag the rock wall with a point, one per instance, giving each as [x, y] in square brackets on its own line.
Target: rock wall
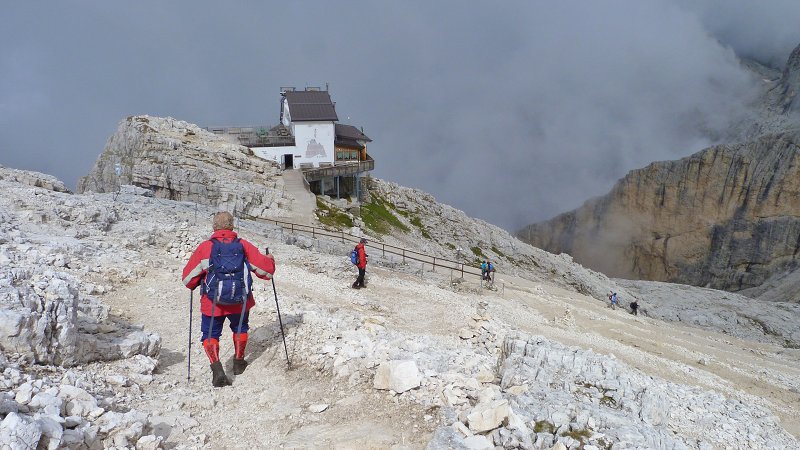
[180, 161]
[727, 217]
[34, 179]
[48, 314]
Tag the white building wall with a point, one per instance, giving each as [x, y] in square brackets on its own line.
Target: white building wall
[274, 153]
[314, 145]
[314, 141]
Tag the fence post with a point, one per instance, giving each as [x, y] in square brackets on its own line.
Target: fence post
[404, 256]
[383, 246]
[342, 237]
[433, 267]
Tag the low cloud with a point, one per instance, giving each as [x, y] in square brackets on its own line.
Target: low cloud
[513, 112]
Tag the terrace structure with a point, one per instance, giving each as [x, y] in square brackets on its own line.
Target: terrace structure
[332, 156]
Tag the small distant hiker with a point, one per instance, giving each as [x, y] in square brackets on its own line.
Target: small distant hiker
[221, 266]
[484, 270]
[635, 307]
[613, 300]
[490, 272]
[361, 263]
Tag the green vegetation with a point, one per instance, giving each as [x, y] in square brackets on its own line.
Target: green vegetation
[543, 426]
[604, 444]
[608, 401]
[417, 222]
[477, 251]
[378, 218]
[332, 216]
[414, 220]
[498, 252]
[578, 435]
[450, 246]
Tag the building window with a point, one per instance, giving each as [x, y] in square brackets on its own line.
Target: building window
[339, 156]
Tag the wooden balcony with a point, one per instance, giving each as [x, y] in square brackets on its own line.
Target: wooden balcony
[339, 169]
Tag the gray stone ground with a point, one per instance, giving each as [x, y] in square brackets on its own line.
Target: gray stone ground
[417, 359]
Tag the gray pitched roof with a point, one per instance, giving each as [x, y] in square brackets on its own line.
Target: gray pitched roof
[350, 132]
[310, 106]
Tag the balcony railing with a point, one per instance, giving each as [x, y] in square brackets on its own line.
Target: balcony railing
[254, 136]
[339, 169]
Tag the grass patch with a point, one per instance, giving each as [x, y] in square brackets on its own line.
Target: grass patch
[578, 435]
[417, 222]
[543, 426]
[608, 401]
[605, 444]
[450, 246]
[414, 220]
[477, 251]
[378, 218]
[498, 252]
[332, 216]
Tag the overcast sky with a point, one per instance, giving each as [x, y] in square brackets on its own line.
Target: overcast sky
[511, 111]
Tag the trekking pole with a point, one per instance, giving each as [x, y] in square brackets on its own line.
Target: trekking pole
[288, 363]
[189, 361]
[280, 321]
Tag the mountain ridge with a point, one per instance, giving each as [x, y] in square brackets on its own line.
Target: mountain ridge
[725, 217]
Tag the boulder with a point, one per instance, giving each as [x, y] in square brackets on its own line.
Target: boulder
[399, 376]
[488, 416]
[18, 432]
[478, 442]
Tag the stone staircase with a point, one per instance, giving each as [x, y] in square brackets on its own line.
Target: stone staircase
[304, 203]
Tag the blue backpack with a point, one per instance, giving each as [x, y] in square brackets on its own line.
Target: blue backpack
[229, 270]
[354, 256]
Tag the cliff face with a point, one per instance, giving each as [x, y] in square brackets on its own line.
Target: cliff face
[180, 161]
[726, 217]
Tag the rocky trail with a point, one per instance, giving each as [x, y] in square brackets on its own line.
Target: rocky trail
[270, 406]
[415, 360]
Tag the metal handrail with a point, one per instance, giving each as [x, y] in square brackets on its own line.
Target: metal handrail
[339, 169]
[383, 247]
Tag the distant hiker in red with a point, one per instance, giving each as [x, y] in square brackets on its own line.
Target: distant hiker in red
[361, 263]
[221, 266]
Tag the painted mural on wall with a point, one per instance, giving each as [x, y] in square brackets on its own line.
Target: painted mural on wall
[314, 149]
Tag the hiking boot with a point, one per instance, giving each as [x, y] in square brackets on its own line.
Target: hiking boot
[218, 378]
[355, 286]
[238, 366]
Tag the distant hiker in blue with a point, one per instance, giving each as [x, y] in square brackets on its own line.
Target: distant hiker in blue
[484, 270]
[613, 299]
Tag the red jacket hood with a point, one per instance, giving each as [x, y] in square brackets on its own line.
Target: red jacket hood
[223, 234]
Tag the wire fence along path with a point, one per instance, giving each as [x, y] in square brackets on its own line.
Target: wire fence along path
[433, 261]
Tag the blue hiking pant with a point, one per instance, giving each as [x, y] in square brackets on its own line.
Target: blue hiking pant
[216, 325]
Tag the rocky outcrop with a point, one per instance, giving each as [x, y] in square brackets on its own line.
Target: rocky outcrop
[783, 95]
[181, 161]
[725, 312]
[54, 408]
[48, 314]
[727, 217]
[578, 397]
[388, 342]
[34, 179]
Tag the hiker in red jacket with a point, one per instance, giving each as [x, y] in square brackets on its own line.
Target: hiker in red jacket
[362, 264]
[221, 266]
